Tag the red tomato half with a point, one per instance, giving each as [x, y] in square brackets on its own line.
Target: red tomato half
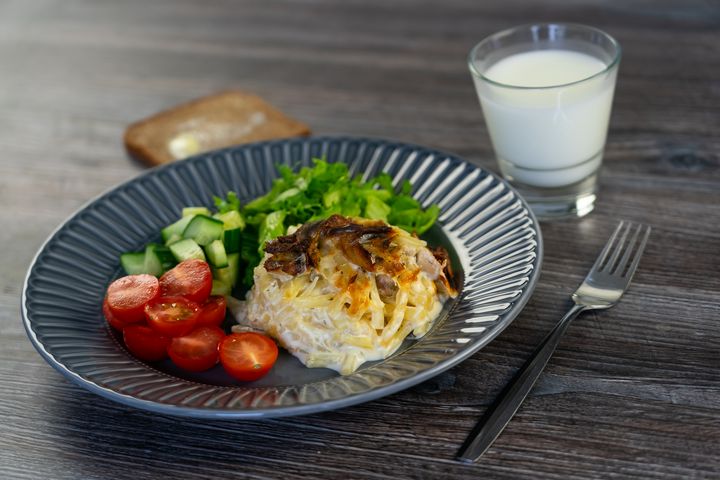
[145, 343]
[127, 296]
[248, 356]
[198, 350]
[172, 316]
[111, 319]
[191, 279]
[212, 312]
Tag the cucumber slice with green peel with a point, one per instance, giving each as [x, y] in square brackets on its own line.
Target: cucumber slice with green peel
[133, 263]
[173, 238]
[215, 253]
[231, 240]
[153, 265]
[167, 259]
[175, 229]
[234, 266]
[197, 234]
[232, 219]
[188, 211]
[186, 249]
[220, 288]
[231, 273]
[222, 274]
[158, 259]
[203, 229]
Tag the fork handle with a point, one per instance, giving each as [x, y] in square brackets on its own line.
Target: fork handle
[498, 415]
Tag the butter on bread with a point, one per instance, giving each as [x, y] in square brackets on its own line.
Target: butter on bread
[208, 123]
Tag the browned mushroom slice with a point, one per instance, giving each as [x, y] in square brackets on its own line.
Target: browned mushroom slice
[446, 282]
[387, 287]
[295, 252]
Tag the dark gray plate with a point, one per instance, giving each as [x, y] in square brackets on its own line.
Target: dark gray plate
[493, 238]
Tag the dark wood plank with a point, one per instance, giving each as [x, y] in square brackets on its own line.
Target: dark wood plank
[633, 392]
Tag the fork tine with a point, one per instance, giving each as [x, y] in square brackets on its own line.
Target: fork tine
[603, 255]
[620, 267]
[638, 254]
[618, 248]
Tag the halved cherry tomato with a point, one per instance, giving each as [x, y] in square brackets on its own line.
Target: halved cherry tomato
[172, 316]
[191, 279]
[145, 343]
[212, 312]
[247, 356]
[111, 319]
[127, 296]
[198, 350]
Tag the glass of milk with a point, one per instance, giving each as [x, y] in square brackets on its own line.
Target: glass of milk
[546, 91]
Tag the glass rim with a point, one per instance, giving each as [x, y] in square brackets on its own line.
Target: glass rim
[614, 63]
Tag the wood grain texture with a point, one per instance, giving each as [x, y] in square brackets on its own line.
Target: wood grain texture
[633, 392]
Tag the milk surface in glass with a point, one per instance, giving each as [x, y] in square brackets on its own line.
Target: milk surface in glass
[546, 116]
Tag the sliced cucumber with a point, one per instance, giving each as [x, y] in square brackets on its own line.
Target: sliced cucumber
[220, 288]
[173, 238]
[204, 230]
[231, 219]
[191, 211]
[231, 240]
[133, 263]
[186, 249]
[153, 266]
[175, 230]
[234, 266]
[167, 259]
[158, 259]
[222, 274]
[215, 253]
[230, 273]
[197, 234]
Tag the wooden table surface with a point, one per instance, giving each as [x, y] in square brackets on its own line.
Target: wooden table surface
[631, 392]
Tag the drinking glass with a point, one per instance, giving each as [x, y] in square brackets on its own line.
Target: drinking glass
[546, 93]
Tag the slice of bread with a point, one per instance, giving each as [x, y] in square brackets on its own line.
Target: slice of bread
[211, 122]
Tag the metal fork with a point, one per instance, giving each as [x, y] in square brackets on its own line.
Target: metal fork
[603, 287]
